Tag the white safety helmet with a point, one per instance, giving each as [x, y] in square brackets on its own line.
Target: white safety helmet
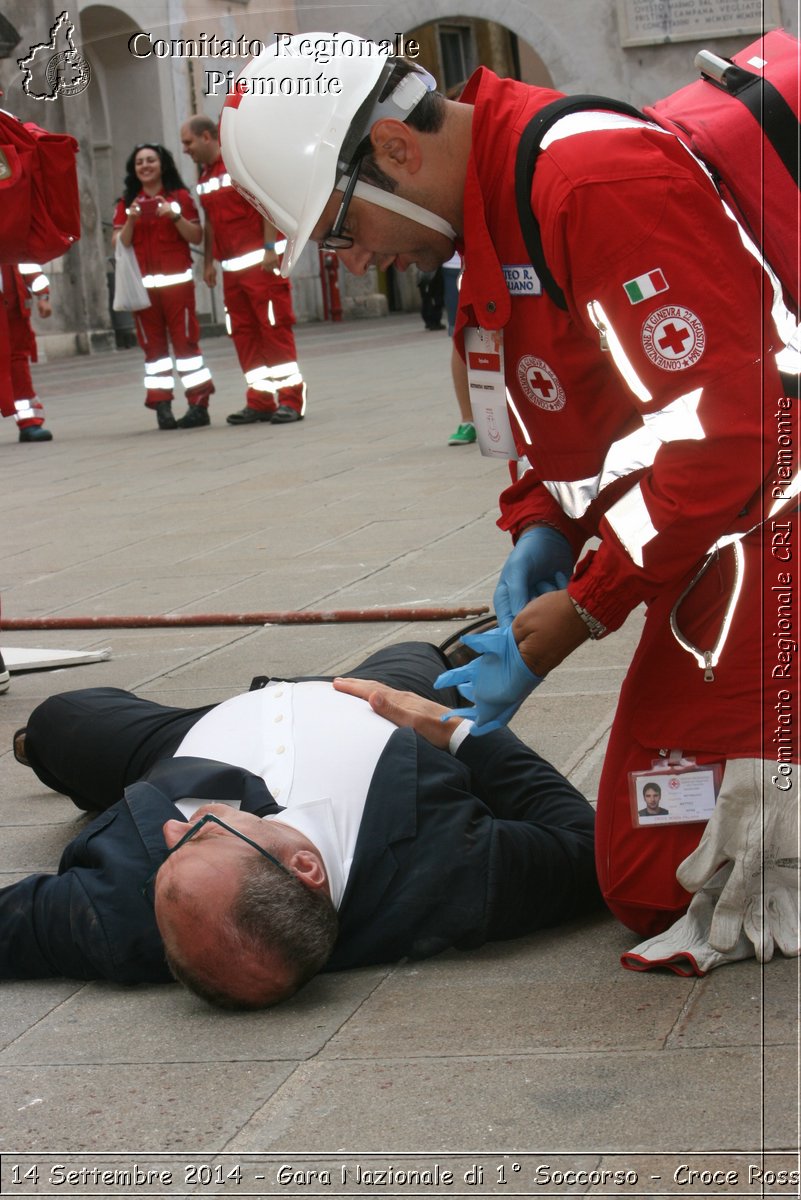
[287, 139]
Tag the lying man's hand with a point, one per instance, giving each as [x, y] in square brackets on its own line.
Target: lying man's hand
[404, 709]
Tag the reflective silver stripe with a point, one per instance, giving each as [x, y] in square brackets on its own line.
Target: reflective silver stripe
[40, 282]
[788, 360]
[517, 417]
[228, 326]
[189, 364]
[707, 659]
[615, 347]
[270, 313]
[214, 185]
[272, 379]
[198, 377]
[290, 381]
[26, 411]
[159, 383]
[157, 367]
[282, 370]
[593, 122]
[157, 281]
[783, 319]
[280, 247]
[251, 259]
[676, 422]
[631, 521]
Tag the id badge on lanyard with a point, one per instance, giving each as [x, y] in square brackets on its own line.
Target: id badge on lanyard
[483, 350]
[674, 792]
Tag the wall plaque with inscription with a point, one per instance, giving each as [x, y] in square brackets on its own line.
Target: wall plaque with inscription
[649, 22]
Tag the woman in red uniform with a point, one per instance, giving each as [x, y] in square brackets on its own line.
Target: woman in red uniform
[157, 216]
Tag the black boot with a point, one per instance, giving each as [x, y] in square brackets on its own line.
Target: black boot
[164, 415]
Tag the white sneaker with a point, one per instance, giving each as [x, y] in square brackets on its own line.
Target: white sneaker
[5, 678]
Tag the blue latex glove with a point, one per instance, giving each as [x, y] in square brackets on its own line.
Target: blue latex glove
[541, 561]
[497, 682]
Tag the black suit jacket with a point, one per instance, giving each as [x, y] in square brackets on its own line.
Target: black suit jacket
[452, 851]
[95, 919]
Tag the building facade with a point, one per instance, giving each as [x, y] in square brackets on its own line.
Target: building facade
[150, 63]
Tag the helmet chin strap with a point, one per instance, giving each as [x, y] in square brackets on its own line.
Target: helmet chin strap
[404, 208]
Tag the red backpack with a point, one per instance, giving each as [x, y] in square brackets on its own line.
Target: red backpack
[39, 206]
[742, 120]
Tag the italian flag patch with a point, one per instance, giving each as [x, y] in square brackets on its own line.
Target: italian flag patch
[645, 286]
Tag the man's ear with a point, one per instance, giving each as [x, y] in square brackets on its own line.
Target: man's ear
[396, 147]
[309, 869]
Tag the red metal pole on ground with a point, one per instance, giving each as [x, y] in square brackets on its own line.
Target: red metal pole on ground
[185, 620]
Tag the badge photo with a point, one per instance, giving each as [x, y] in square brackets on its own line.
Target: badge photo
[674, 795]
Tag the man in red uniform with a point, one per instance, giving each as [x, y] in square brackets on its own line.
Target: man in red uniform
[650, 414]
[258, 301]
[19, 285]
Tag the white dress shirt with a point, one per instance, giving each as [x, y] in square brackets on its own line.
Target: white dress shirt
[314, 747]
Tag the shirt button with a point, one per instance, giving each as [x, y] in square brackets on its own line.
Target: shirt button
[490, 306]
[280, 717]
[280, 749]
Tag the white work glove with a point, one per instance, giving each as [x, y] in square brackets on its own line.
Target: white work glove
[754, 828]
[685, 948]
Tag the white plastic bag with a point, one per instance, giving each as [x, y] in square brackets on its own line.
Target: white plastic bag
[130, 293]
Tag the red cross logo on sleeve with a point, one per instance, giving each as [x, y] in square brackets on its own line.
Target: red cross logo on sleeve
[673, 338]
[540, 384]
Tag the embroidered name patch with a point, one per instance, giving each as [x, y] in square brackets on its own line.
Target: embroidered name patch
[673, 338]
[522, 280]
[540, 383]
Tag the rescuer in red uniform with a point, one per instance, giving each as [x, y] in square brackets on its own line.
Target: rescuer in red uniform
[258, 300]
[158, 217]
[650, 414]
[20, 285]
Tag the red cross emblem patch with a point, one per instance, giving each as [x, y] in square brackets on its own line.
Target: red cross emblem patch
[540, 384]
[673, 338]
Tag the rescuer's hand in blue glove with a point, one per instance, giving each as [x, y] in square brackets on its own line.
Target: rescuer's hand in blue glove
[497, 682]
[541, 561]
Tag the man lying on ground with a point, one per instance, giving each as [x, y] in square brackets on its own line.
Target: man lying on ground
[300, 826]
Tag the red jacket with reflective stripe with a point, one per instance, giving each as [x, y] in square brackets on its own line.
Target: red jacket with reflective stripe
[159, 247]
[238, 228]
[617, 206]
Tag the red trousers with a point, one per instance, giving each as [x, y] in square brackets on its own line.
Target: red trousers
[260, 318]
[666, 704]
[171, 319]
[17, 349]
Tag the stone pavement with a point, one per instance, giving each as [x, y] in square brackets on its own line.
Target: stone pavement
[504, 1066]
